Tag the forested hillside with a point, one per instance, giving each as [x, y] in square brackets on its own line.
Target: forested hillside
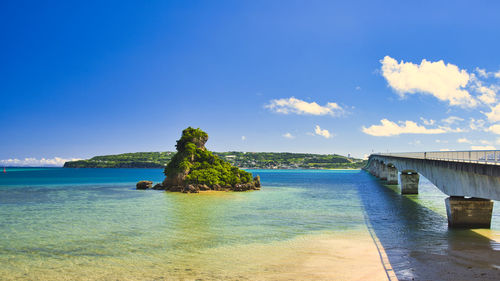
[258, 160]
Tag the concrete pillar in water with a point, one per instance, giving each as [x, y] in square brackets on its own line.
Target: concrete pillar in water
[392, 175]
[468, 212]
[409, 182]
[383, 171]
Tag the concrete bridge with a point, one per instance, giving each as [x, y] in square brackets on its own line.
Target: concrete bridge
[470, 178]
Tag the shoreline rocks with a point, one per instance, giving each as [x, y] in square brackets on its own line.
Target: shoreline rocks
[197, 188]
[158, 186]
[144, 185]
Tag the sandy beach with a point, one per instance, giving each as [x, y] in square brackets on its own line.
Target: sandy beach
[349, 256]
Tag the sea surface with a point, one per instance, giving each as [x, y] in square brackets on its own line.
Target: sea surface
[91, 224]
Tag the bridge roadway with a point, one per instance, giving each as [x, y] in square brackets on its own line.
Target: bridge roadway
[470, 178]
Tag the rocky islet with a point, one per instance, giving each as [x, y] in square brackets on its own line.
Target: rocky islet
[194, 168]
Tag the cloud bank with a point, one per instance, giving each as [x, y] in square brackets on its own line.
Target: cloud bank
[34, 162]
[388, 128]
[482, 147]
[448, 83]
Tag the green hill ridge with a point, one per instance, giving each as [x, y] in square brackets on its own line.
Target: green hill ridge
[251, 160]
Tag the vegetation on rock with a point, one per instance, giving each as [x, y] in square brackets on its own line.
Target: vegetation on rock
[193, 167]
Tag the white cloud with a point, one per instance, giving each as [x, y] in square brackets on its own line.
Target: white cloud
[322, 132]
[243, 138]
[482, 72]
[483, 142]
[451, 130]
[444, 81]
[358, 88]
[476, 124]
[388, 128]
[288, 136]
[447, 82]
[296, 106]
[482, 147]
[463, 140]
[488, 95]
[441, 141]
[446, 149]
[452, 119]
[428, 122]
[34, 162]
[497, 141]
[494, 114]
[495, 129]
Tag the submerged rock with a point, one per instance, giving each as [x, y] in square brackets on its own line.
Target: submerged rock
[144, 185]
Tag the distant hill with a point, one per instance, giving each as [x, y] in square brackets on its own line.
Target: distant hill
[255, 160]
[125, 160]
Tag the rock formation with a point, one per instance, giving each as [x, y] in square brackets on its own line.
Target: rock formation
[194, 168]
[144, 185]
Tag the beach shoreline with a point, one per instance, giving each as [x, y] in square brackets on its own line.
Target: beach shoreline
[308, 257]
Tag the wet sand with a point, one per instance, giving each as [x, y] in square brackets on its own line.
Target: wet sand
[346, 256]
[475, 258]
[350, 255]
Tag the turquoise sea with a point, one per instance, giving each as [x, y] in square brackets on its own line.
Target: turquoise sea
[91, 224]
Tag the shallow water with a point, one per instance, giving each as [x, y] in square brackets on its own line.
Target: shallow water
[59, 224]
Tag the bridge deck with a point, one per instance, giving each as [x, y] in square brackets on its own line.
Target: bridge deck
[489, 157]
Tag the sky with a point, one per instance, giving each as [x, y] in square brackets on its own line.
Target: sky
[91, 78]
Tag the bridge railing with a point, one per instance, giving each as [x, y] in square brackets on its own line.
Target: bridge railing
[491, 157]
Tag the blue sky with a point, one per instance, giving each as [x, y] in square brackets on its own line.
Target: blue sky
[93, 78]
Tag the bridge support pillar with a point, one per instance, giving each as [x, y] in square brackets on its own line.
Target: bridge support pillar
[372, 169]
[376, 170]
[382, 171]
[392, 175]
[469, 212]
[409, 182]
